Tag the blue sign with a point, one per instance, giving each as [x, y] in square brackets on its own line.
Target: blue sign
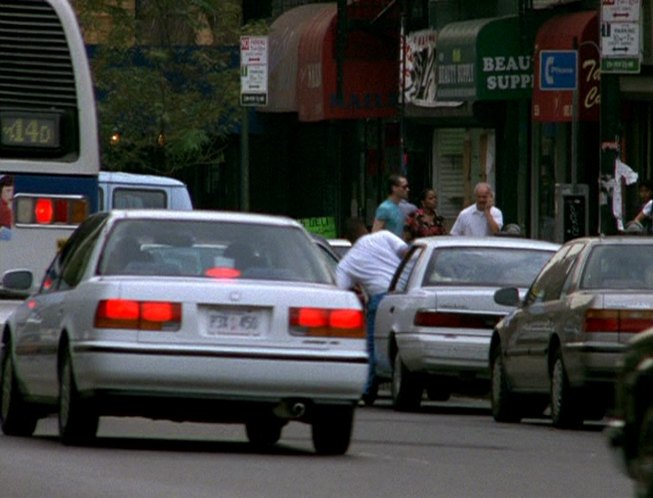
[558, 69]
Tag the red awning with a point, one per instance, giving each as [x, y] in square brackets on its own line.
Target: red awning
[303, 74]
[578, 31]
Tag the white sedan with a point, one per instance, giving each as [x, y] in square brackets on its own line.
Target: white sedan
[198, 316]
[433, 328]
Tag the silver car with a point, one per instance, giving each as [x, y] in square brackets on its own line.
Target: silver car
[563, 344]
[198, 316]
[433, 328]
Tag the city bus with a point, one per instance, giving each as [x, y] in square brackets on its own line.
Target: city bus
[49, 147]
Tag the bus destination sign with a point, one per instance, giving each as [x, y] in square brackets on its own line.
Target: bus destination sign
[29, 130]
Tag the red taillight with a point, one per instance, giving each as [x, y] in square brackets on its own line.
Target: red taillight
[322, 322]
[128, 314]
[43, 211]
[222, 272]
[428, 318]
[628, 321]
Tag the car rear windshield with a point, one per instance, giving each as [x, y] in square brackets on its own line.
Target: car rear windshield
[485, 266]
[212, 250]
[619, 266]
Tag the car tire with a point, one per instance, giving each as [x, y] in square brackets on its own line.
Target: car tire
[643, 464]
[17, 418]
[565, 413]
[406, 388]
[264, 431]
[331, 429]
[78, 421]
[502, 399]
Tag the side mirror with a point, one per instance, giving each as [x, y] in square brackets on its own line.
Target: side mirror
[507, 296]
[17, 281]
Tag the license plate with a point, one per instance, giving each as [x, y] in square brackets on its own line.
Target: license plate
[249, 323]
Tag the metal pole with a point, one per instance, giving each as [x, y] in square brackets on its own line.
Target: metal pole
[244, 160]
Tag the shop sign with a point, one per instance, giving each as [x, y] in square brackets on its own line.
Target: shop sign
[324, 226]
[417, 75]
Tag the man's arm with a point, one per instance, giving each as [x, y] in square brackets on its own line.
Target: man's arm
[378, 225]
[493, 223]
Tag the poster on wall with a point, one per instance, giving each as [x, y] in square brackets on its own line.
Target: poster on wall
[417, 75]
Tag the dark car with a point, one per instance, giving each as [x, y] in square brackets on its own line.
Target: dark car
[561, 347]
[631, 430]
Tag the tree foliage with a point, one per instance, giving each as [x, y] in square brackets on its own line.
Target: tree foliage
[167, 79]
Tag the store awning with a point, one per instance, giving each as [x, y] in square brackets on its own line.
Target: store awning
[556, 38]
[303, 75]
[484, 59]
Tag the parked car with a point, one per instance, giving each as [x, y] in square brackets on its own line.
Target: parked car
[340, 246]
[433, 328]
[204, 316]
[562, 345]
[118, 190]
[631, 429]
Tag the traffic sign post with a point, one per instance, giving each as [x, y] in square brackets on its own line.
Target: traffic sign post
[620, 36]
[253, 70]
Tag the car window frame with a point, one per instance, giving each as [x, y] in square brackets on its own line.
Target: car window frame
[413, 254]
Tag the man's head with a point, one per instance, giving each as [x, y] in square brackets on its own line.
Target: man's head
[484, 195]
[354, 229]
[646, 190]
[398, 187]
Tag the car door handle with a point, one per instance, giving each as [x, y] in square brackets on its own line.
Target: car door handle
[392, 309]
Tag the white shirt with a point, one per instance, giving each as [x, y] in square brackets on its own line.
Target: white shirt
[473, 222]
[371, 262]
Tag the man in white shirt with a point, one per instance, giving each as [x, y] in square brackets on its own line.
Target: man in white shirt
[371, 262]
[481, 218]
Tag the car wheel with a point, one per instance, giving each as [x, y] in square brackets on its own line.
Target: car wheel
[406, 387]
[643, 465]
[331, 429]
[17, 420]
[78, 421]
[264, 431]
[564, 412]
[503, 401]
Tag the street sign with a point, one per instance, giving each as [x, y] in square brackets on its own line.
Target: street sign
[253, 70]
[558, 70]
[620, 36]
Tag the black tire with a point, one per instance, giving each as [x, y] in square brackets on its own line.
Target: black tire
[565, 413]
[406, 387]
[643, 464]
[17, 418]
[504, 402]
[331, 429]
[264, 431]
[78, 420]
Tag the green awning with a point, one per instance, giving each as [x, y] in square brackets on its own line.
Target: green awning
[484, 59]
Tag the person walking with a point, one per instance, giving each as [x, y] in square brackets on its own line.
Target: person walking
[371, 262]
[646, 212]
[389, 215]
[481, 218]
[425, 222]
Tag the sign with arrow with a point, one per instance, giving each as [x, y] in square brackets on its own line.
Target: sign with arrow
[620, 36]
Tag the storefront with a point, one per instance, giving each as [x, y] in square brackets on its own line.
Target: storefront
[565, 134]
[332, 118]
[486, 66]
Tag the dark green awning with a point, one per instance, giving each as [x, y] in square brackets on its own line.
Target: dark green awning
[484, 59]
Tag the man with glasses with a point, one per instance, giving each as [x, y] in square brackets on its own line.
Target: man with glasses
[389, 215]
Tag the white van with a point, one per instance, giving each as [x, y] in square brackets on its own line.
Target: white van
[131, 191]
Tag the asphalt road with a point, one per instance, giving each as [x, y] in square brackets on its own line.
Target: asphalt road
[451, 449]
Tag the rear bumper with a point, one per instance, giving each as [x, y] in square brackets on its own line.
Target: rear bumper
[593, 363]
[445, 353]
[201, 373]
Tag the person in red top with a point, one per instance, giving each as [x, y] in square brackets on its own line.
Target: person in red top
[425, 221]
[6, 197]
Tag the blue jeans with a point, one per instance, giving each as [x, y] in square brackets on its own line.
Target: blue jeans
[372, 306]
